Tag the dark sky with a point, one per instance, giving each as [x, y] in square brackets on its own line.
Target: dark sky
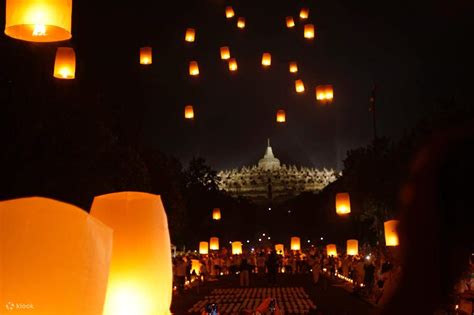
[416, 52]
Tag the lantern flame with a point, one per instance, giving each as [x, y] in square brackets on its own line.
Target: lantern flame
[229, 12]
[232, 64]
[309, 31]
[391, 232]
[266, 59]
[295, 243]
[299, 86]
[241, 23]
[290, 22]
[39, 30]
[304, 13]
[190, 35]
[281, 116]
[324, 94]
[193, 68]
[293, 67]
[225, 53]
[189, 112]
[343, 204]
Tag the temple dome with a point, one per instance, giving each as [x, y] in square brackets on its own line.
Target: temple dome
[269, 161]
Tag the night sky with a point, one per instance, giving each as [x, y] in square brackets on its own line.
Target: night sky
[417, 53]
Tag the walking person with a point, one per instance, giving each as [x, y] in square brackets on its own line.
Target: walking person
[244, 272]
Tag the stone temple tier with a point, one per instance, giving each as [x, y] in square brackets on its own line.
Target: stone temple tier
[272, 182]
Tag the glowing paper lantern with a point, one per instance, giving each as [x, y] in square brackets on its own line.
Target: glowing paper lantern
[241, 22]
[299, 86]
[38, 20]
[331, 250]
[266, 59]
[236, 248]
[193, 68]
[216, 214]
[195, 266]
[324, 94]
[309, 31]
[203, 248]
[225, 53]
[293, 67]
[343, 204]
[295, 243]
[290, 22]
[190, 35]
[304, 13]
[352, 247]
[188, 112]
[232, 64]
[280, 249]
[214, 243]
[229, 12]
[391, 233]
[281, 116]
[51, 255]
[140, 278]
[146, 56]
[65, 63]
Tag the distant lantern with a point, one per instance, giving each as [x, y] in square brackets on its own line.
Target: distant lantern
[188, 112]
[391, 233]
[193, 68]
[266, 59]
[216, 214]
[304, 13]
[343, 203]
[324, 94]
[236, 248]
[281, 116]
[232, 64]
[290, 22]
[65, 63]
[52, 253]
[295, 243]
[331, 250]
[141, 271]
[299, 86]
[293, 67]
[241, 22]
[309, 31]
[38, 20]
[225, 53]
[195, 266]
[280, 249]
[203, 248]
[229, 12]
[146, 56]
[190, 35]
[352, 247]
[214, 243]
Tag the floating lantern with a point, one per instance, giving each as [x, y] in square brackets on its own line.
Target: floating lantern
[216, 214]
[241, 22]
[225, 53]
[146, 56]
[203, 248]
[141, 277]
[309, 31]
[193, 68]
[266, 59]
[391, 232]
[324, 93]
[352, 247]
[214, 243]
[38, 20]
[190, 35]
[236, 248]
[290, 22]
[280, 249]
[299, 86]
[51, 254]
[195, 266]
[232, 64]
[304, 13]
[293, 67]
[343, 204]
[295, 243]
[281, 116]
[331, 250]
[65, 63]
[229, 12]
[188, 112]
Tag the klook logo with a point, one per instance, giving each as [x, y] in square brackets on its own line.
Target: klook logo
[10, 306]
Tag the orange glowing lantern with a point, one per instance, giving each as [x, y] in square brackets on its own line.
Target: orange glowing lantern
[216, 214]
[229, 12]
[280, 249]
[38, 20]
[195, 267]
[343, 204]
[352, 247]
[391, 232]
[241, 22]
[203, 248]
[65, 63]
[51, 254]
[188, 112]
[299, 86]
[146, 56]
[293, 67]
[295, 243]
[309, 31]
[225, 53]
[266, 59]
[290, 22]
[304, 13]
[324, 94]
[331, 250]
[232, 64]
[236, 248]
[141, 277]
[190, 35]
[214, 243]
[193, 68]
[281, 116]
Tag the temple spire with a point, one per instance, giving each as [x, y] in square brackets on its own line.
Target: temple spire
[268, 142]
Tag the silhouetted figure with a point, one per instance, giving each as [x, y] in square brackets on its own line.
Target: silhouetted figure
[272, 267]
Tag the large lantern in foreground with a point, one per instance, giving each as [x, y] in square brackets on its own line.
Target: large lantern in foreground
[51, 254]
[140, 278]
[38, 20]
[331, 250]
[229, 12]
[233, 64]
[309, 31]
[65, 63]
[195, 267]
[299, 86]
[343, 204]
[225, 53]
[203, 248]
[352, 247]
[188, 112]
[290, 22]
[324, 93]
[280, 249]
[190, 35]
[146, 56]
[193, 68]
[391, 232]
[304, 13]
[241, 22]
[293, 67]
[281, 116]
[236, 248]
[214, 243]
[295, 243]
[216, 214]
[266, 59]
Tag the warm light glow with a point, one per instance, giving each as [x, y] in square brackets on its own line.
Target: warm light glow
[352, 247]
[299, 86]
[146, 56]
[241, 23]
[193, 68]
[196, 266]
[290, 22]
[391, 233]
[188, 112]
[232, 64]
[190, 35]
[304, 13]
[295, 243]
[38, 20]
[266, 59]
[65, 63]
[203, 248]
[293, 67]
[324, 94]
[229, 12]
[281, 116]
[280, 249]
[225, 53]
[216, 214]
[236, 248]
[309, 31]
[214, 243]
[343, 204]
[331, 250]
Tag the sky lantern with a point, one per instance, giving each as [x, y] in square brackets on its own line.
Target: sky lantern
[304, 13]
[324, 94]
[295, 243]
[190, 35]
[225, 53]
[290, 22]
[232, 64]
[391, 232]
[236, 248]
[281, 116]
[65, 63]
[146, 56]
[203, 248]
[38, 20]
[140, 278]
[195, 267]
[352, 247]
[280, 249]
[188, 112]
[309, 31]
[343, 204]
[241, 22]
[293, 67]
[266, 59]
[52, 253]
[229, 12]
[216, 214]
[214, 243]
[193, 68]
[331, 250]
[299, 86]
